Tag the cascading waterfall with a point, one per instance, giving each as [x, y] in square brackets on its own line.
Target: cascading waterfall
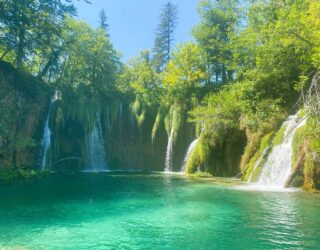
[277, 169]
[46, 138]
[96, 159]
[169, 152]
[188, 154]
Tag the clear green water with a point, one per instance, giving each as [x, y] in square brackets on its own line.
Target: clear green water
[131, 211]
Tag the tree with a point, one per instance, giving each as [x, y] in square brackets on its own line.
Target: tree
[185, 72]
[103, 22]
[218, 24]
[89, 62]
[165, 36]
[28, 24]
[141, 79]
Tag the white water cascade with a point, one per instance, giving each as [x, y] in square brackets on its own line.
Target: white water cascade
[277, 169]
[46, 138]
[96, 159]
[169, 152]
[188, 154]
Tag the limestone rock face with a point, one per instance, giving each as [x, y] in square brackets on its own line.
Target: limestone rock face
[23, 103]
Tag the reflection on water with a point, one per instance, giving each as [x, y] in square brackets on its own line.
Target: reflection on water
[137, 211]
[281, 219]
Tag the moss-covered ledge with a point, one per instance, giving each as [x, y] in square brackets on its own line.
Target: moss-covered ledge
[306, 145]
[9, 175]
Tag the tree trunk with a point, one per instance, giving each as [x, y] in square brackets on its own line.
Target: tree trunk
[230, 75]
[52, 59]
[20, 53]
[217, 73]
[224, 74]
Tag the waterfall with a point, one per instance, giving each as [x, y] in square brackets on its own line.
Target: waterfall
[120, 109]
[188, 154]
[190, 151]
[169, 152]
[46, 138]
[96, 159]
[277, 169]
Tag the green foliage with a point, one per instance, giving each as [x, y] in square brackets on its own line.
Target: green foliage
[258, 112]
[140, 78]
[218, 24]
[19, 174]
[219, 114]
[29, 26]
[184, 74]
[89, 63]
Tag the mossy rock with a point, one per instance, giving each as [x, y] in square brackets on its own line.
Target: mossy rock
[306, 141]
[297, 144]
[298, 181]
[198, 157]
[279, 137]
[265, 142]
[200, 174]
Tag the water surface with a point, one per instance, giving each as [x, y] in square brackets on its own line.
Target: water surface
[140, 211]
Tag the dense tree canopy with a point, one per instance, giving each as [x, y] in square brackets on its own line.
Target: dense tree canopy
[27, 26]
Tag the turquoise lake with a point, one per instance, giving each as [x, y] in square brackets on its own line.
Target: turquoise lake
[153, 211]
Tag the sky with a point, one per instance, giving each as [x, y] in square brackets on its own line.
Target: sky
[133, 22]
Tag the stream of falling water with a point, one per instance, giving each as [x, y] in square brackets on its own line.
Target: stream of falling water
[169, 152]
[46, 138]
[277, 168]
[96, 155]
[188, 154]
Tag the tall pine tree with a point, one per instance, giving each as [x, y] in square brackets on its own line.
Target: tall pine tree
[165, 36]
[103, 22]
